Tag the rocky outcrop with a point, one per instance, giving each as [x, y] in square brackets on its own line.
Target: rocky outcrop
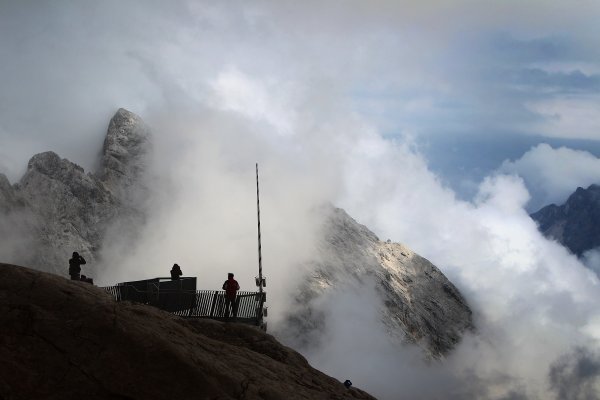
[61, 339]
[8, 199]
[419, 304]
[69, 210]
[73, 208]
[575, 224]
[125, 157]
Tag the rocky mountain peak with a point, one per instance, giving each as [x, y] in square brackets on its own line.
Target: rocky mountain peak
[70, 210]
[124, 153]
[583, 198]
[418, 303]
[51, 165]
[576, 223]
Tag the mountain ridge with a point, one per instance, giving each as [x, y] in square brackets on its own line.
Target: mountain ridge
[68, 208]
[576, 223]
[419, 305]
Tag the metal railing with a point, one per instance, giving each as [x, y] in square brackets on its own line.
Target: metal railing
[195, 303]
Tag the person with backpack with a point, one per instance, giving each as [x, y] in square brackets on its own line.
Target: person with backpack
[75, 264]
[230, 286]
[175, 272]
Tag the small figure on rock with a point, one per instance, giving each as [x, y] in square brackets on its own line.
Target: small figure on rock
[75, 264]
[230, 286]
[175, 272]
[348, 384]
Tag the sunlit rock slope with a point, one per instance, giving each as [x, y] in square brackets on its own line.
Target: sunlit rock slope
[419, 304]
[61, 339]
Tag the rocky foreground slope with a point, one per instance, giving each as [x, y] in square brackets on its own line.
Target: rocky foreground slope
[61, 339]
[57, 208]
[575, 224]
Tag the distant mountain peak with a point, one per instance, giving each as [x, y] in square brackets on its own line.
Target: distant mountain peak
[576, 223]
[49, 163]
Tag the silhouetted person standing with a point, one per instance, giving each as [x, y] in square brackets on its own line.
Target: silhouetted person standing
[75, 264]
[230, 286]
[175, 272]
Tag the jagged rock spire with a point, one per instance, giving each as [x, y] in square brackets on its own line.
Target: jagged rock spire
[67, 209]
[124, 154]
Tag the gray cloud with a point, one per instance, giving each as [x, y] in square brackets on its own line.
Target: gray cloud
[544, 82]
[552, 174]
[527, 51]
[576, 375]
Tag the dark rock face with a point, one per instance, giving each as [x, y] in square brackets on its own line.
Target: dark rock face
[575, 224]
[420, 305]
[61, 339]
[69, 210]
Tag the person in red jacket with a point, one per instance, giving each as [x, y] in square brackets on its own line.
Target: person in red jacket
[230, 286]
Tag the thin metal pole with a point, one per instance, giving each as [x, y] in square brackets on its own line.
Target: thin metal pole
[260, 287]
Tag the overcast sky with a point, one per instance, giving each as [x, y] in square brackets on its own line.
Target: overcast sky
[438, 124]
[469, 83]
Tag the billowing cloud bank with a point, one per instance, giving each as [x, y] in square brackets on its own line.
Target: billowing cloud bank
[553, 174]
[534, 302]
[308, 93]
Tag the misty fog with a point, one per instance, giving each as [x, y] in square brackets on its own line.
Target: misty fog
[309, 93]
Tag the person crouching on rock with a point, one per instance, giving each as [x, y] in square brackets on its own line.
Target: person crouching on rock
[175, 272]
[75, 264]
[230, 286]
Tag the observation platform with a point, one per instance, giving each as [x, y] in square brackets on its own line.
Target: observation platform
[181, 298]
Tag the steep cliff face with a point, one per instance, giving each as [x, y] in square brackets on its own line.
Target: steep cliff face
[61, 339]
[69, 210]
[8, 199]
[575, 224]
[125, 157]
[419, 304]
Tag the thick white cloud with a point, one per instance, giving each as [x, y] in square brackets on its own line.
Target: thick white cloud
[533, 301]
[553, 174]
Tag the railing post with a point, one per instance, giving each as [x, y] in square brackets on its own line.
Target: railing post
[214, 303]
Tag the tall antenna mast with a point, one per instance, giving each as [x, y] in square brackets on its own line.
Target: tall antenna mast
[260, 277]
[260, 281]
